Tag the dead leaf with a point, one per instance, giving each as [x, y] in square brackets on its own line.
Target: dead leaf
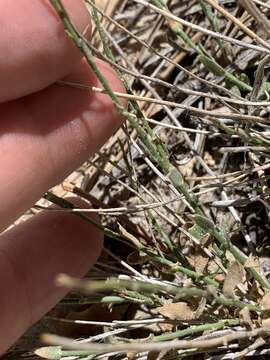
[199, 260]
[137, 258]
[244, 315]
[266, 322]
[176, 311]
[234, 277]
[165, 327]
[252, 261]
[265, 301]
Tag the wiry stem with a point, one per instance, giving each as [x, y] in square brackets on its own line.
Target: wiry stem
[156, 152]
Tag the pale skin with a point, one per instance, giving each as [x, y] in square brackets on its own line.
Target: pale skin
[46, 132]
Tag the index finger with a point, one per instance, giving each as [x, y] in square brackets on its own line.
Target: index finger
[35, 51]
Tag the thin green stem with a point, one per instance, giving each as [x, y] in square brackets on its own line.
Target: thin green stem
[209, 62]
[112, 284]
[173, 174]
[196, 329]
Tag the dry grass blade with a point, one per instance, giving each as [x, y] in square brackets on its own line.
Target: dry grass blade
[169, 345]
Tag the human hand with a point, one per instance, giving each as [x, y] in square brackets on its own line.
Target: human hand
[47, 130]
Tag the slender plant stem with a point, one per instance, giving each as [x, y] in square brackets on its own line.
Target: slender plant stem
[196, 329]
[156, 152]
